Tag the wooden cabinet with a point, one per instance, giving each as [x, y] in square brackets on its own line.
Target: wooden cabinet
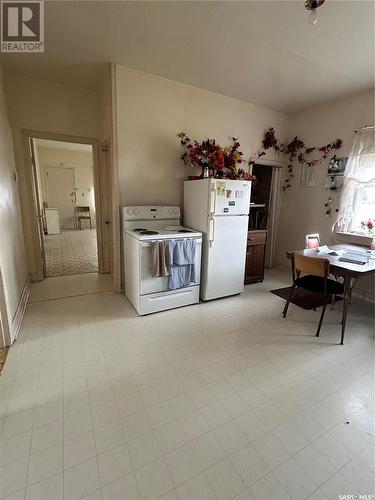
[255, 256]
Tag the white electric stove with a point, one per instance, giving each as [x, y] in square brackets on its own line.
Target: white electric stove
[141, 226]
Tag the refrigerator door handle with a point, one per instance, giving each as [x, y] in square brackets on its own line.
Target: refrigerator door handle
[211, 237]
[212, 199]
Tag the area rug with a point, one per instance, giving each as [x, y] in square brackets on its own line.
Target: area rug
[3, 356]
[302, 298]
[71, 252]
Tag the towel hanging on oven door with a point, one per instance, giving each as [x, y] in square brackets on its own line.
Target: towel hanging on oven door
[159, 259]
[182, 255]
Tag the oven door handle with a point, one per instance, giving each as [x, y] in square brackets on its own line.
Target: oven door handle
[146, 245]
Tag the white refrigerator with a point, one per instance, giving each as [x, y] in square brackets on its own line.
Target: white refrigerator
[219, 208]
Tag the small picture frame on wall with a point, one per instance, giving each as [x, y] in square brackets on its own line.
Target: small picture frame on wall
[337, 166]
[308, 176]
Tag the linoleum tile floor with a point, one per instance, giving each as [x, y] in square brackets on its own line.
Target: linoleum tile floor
[219, 400]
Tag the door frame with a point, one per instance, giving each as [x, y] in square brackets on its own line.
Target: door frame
[274, 207]
[106, 175]
[116, 220]
[5, 335]
[36, 197]
[32, 189]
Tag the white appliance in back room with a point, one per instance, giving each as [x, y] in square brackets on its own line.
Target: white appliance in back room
[142, 227]
[220, 209]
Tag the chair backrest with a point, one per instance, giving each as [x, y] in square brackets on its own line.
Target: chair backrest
[310, 265]
[83, 209]
[312, 240]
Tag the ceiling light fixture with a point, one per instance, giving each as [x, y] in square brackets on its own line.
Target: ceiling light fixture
[312, 6]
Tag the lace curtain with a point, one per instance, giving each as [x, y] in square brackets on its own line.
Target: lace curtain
[359, 175]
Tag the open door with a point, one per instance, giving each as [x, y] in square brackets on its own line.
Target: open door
[37, 203]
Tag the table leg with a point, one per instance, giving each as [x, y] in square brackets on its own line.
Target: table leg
[348, 287]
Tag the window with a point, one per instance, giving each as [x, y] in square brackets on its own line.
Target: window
[357, 202]
[366, 208]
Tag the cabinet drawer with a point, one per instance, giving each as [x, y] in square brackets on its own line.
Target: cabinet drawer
[255, 238]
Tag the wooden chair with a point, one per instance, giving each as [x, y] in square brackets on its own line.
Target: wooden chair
[312, 241]
[315, 279]
[83, 213]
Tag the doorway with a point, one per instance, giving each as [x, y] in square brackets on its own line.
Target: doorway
[66, 198]
[260, 197]
[265, 203]
[36, 218]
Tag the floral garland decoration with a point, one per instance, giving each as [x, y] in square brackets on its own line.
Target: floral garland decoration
[328, 205]
[333, 188]
[220, 161]
[296, 148]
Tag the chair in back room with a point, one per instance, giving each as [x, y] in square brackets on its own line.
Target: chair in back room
[83, 213]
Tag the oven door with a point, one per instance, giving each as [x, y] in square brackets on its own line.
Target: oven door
[149, 284]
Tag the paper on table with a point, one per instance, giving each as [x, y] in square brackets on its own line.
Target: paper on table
[325, 249]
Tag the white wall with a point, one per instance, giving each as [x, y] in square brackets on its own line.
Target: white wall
[82, 162]
[150, 113]
[303, 209]
[105, 105]
[12, 251]
[49, 107]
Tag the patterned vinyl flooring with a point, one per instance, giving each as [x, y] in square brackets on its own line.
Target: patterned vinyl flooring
[71, 252]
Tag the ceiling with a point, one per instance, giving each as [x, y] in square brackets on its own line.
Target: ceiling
[263, 52]
[71, 146]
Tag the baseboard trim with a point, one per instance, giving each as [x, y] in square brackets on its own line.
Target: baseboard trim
[33, 278]
[20, 311]
[361, 293]
[280, 266]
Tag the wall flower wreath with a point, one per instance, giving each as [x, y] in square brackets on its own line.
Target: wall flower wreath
[295, 149]
[214, 159]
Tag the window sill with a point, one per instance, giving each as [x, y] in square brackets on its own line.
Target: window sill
[354, 238]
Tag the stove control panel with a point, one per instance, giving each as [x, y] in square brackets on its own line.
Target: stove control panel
[150, 212]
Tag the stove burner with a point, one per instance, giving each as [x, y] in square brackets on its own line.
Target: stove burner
[184, 231]
[146, 231]
[137, 229]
